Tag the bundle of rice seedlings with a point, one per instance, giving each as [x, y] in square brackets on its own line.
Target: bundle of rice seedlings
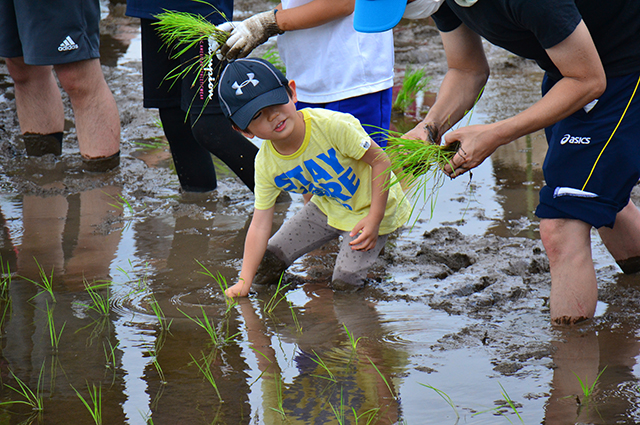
[180, 32]
[418, 165]
[415, 81]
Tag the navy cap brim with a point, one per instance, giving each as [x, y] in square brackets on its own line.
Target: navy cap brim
[377, 15]
[243, 116]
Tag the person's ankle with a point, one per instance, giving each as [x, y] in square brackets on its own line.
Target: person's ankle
[42, 144]
[101, 164]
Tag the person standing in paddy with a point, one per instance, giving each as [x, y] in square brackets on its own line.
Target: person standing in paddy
[590, 110]
[324, 155]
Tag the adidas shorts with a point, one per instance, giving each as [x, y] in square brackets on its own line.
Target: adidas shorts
[50, 32]
[373, 110]
[190, 93]
[593, 161]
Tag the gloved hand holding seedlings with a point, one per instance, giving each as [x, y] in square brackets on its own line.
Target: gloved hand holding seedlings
[257, 29]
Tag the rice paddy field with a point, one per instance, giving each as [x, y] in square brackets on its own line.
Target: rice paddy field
[113, 312]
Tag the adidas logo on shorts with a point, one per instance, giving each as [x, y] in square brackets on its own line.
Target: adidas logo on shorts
[67, 44]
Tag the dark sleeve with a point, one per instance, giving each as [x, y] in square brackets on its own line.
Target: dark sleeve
[551, 21]
[445, 19]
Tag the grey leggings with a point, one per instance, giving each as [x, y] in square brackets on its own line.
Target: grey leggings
[308, 230]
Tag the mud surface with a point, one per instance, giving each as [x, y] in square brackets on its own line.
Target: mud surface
[495, 284]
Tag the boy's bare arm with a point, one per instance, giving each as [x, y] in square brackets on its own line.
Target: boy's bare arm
[313, 14]
[255, 246]
[369, 226]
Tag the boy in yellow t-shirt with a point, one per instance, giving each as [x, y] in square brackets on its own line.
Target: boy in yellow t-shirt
[324, 155]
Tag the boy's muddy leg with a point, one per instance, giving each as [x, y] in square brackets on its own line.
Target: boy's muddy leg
[352, 266]
[305, 231]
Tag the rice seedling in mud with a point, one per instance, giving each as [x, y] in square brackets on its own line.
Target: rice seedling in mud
[45, 283]
[33, 399]
[100, 303]
[279, 384]
[95, 397]
[331, 377]
[383, 379]
[587, 390]
[53, 334]
[222, 284]
[5, 296]
[205, 369]
[414, 82]
[218, 338]
[277, 297]
[504, 406]
[445, 397]
[352, 340]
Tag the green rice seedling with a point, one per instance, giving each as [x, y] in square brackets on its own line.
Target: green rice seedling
[273, 57]
[415, 81]
[295, 318]
[53, 335]
[205, 323]
[276, 297]
[370, 415]
[445, 397]
[221, 282]
[181, 31]
[100, 303]
[339, 412]
[95, 396]
[352, 340]
[205, 369]
[323, 366]
[277, 380]
[418, 167]
[45, 283]
[121, 203]
[5, 296]
[587, 390]
[507, 402]
[31, 398]
[383, 379]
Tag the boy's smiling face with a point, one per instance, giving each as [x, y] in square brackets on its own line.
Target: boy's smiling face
[278, 123]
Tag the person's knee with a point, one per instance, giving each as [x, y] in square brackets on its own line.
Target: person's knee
[22, 73]
[80, 78]
[270, 269]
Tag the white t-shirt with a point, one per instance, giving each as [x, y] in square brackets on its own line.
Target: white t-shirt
[333, 61]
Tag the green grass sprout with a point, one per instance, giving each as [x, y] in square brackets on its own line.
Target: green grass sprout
[95, 396]
[31, 398]
[587, 390]
[46, 282]
[53, 334]
[277, 296]
[205, 369]
[414, 81]
[205, 323]
[383, 379]
[323, 366]
[444, 396]
[352, 340]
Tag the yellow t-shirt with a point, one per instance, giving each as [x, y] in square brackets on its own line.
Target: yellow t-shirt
[328, 165]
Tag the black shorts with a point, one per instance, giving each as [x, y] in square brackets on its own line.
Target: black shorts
[195, 93]
[50, 32]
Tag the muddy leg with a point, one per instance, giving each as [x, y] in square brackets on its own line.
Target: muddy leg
[623, 241]
[270, 269]
[574, 290]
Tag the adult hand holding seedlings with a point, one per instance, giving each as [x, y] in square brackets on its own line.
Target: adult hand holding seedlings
[477, 143]
[249, 34]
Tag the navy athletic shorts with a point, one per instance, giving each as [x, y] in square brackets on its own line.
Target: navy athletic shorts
[192, 93]
[593, 161]
[373, 110]
[50, 32]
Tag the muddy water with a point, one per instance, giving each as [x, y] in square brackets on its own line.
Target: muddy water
[453, 326]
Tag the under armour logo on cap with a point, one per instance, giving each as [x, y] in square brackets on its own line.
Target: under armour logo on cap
[248, 85]
[239, 87]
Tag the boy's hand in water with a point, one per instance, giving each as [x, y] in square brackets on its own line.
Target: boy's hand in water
[240, 289]
[368, 228]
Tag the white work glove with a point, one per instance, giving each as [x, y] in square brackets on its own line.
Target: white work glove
[249, 34]
[418, 9]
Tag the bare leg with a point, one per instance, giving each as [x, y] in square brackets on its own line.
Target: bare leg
[574, 290]
[623, 241]
[94, 108]
[38, 99]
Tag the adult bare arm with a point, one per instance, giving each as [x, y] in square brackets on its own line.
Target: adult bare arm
[255, 246]
[583, 81]
[467, 74]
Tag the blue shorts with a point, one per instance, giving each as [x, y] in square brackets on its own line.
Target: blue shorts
[50, 32]
[593, 161]
[373, 110]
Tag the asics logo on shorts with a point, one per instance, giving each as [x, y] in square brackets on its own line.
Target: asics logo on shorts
[575, 140]
[67, 44]
[239, 87]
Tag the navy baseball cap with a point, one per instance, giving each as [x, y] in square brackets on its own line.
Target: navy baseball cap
[248, 85]
[377, 15]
